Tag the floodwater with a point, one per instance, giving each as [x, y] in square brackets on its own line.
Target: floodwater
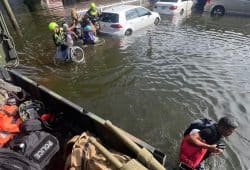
[155, 82]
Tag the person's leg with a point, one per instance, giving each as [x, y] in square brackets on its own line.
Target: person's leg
[183, 166]
[200, 167]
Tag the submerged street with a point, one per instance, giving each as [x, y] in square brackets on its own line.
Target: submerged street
[155, 82]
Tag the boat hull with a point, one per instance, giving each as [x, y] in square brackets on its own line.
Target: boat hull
[77, 120]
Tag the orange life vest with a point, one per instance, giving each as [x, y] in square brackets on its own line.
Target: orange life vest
[190, 154]
[8, 124]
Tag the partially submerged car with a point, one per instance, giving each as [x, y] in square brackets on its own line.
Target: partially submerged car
[222, 7]
[171, 7]
[126, 19]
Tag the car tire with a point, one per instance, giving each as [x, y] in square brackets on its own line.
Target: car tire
[128, 32]
[218, 11]
[157, 21]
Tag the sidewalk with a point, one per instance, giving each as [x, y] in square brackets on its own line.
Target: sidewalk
[64, 9]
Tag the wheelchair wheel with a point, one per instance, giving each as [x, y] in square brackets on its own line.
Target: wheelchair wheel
[77, 54]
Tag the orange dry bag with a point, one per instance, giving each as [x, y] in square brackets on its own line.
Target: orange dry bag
[8, 124]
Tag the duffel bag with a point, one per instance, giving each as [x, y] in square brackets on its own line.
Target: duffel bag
[81, 154]
[10, 160]
[38, 146]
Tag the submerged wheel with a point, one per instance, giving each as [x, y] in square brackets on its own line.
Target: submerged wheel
[77, 54]
[218, 11]
[157, 21]
[128, 32]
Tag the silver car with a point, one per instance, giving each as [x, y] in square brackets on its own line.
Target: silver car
[222, 7]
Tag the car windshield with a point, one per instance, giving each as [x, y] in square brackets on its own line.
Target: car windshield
[109, 17]
[168, 0]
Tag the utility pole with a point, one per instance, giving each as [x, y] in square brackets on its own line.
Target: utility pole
[12, 17]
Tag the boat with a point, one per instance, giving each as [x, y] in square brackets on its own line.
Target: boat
[74, 119]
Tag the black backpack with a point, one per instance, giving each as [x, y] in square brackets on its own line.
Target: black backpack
[10, 160]
[37, 146]
[199, 124]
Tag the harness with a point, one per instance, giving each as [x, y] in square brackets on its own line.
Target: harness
[59, 37]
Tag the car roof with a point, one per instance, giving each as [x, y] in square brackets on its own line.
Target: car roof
[120, 8]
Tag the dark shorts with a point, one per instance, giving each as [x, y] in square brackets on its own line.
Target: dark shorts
[183, 166]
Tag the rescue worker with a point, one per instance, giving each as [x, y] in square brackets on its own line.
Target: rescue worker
[197, 145]
[59, 37]
[93, 14]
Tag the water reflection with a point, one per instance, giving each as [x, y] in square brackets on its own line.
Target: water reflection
[176, 19]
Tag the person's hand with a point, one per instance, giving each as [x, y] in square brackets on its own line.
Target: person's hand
[216, 153]
[214, 149]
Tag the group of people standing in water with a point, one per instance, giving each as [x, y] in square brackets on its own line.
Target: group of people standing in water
[82, 29]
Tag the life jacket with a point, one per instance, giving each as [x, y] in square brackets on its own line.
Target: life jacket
[190, 154]
[9, 124]
[60, 38]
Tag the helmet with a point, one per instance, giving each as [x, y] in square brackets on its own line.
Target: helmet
[31, 109]
[87, 28]
[92, 5]
[52, 25]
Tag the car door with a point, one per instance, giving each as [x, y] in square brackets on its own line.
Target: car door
[231, 6]
[145, 17]
[132, 19]
[245, 6]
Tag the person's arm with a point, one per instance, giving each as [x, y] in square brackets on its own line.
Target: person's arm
[196, 139]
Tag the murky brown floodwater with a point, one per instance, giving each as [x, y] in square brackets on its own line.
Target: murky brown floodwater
[154, 83]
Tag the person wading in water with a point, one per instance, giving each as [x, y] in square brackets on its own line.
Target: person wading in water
[200, 143]
[59, 37]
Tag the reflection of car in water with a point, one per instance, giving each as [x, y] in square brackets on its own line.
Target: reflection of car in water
[221, 7]
[173, 6]
[177, 20]
[125, 19]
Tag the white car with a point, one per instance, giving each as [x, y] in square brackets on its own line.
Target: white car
[125, 19]
[170, 7]
[221, 7]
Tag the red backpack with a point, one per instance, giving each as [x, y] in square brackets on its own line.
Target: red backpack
[190, 154]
